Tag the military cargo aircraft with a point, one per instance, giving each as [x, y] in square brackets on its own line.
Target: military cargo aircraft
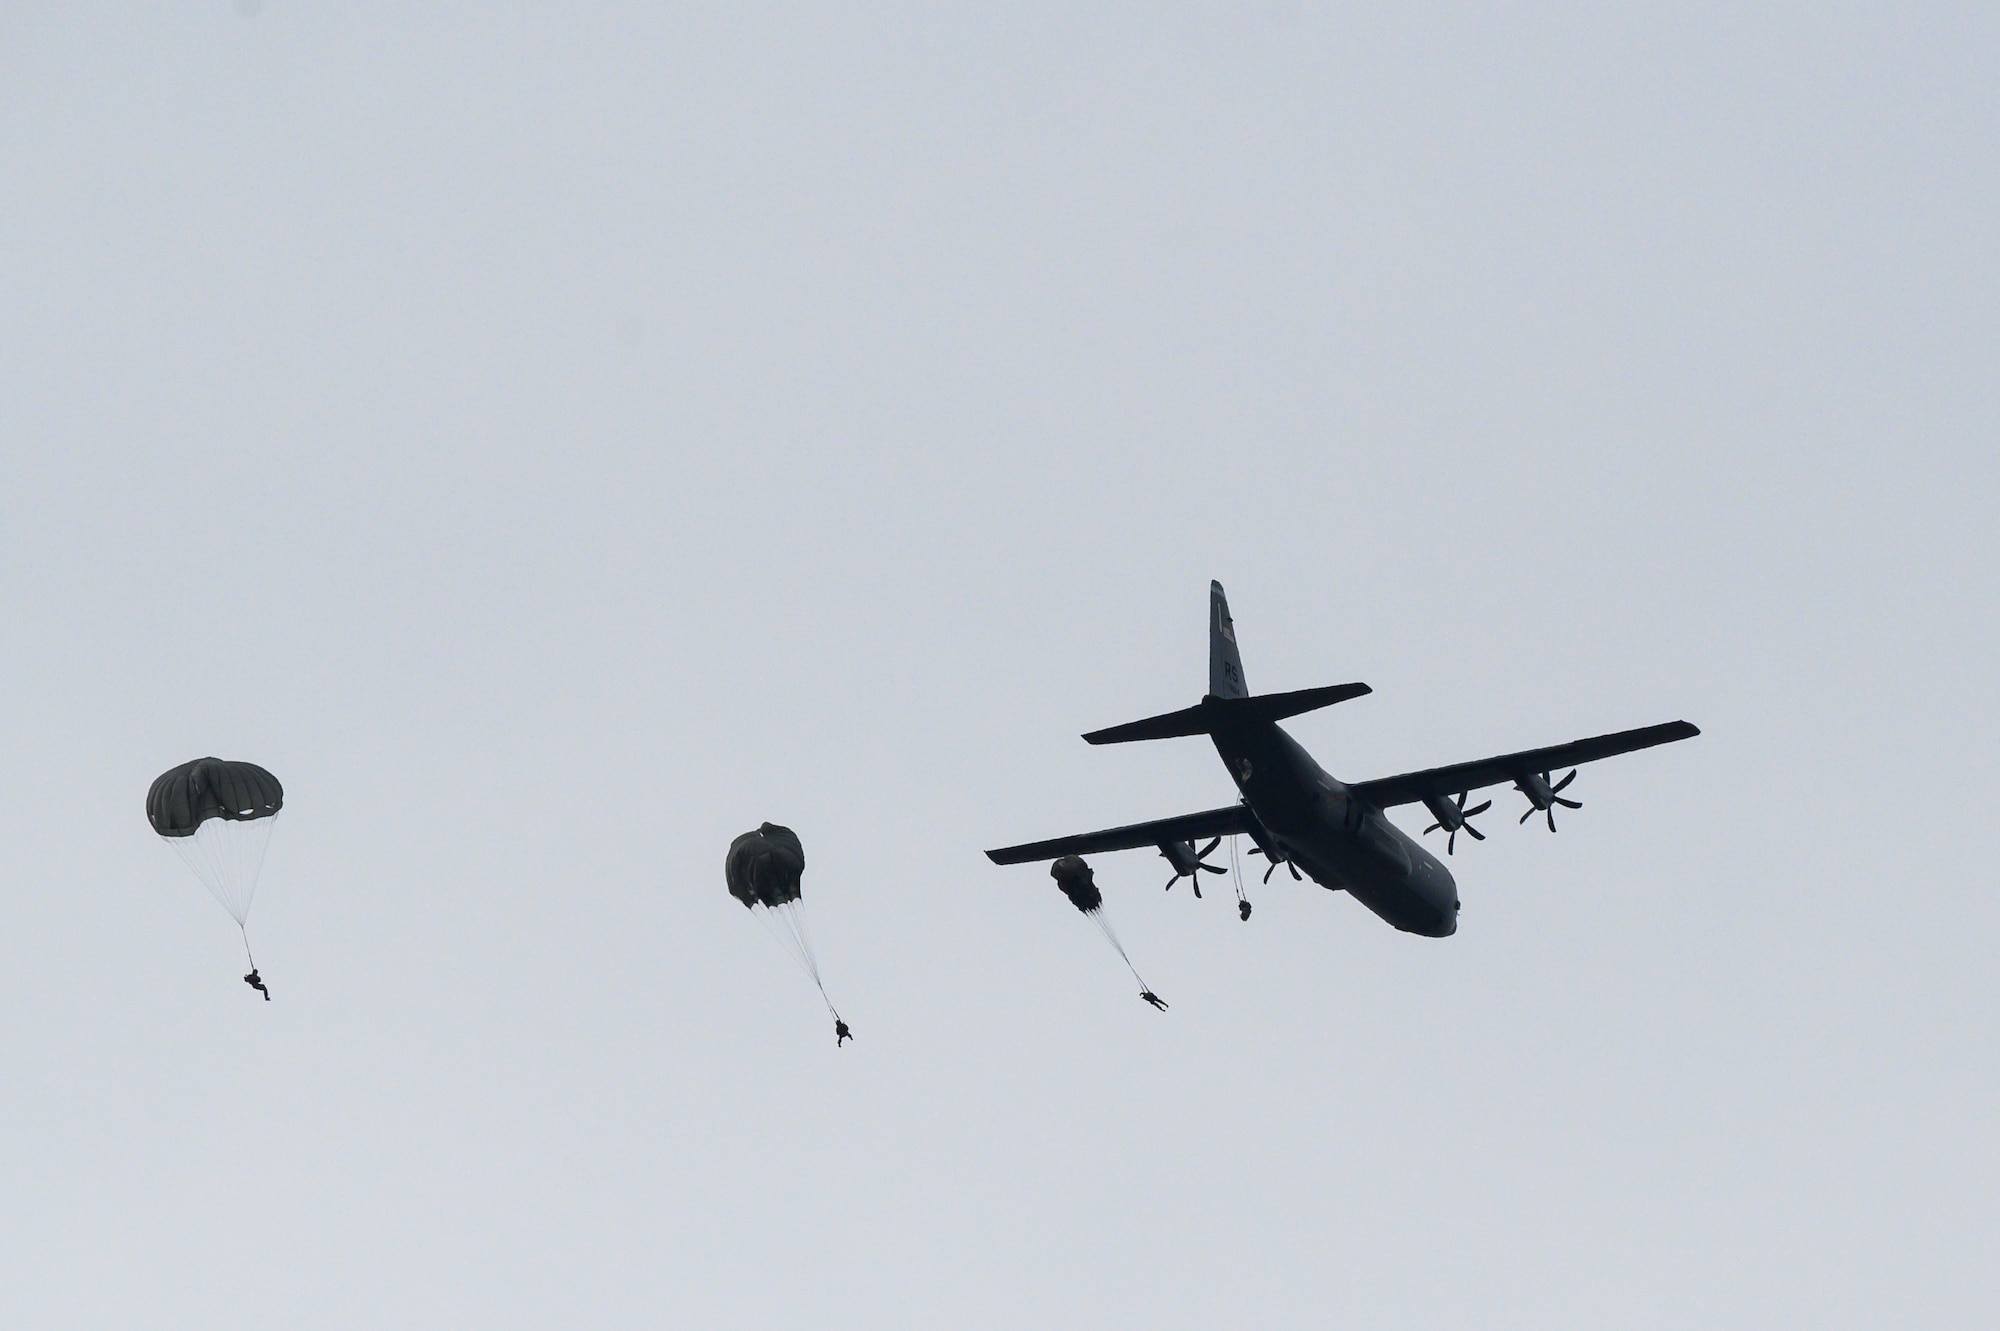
[1300, 817]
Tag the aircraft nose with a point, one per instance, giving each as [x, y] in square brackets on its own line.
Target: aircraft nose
[1444, 897]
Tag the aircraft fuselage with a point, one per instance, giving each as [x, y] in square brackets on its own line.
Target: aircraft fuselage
[1335, 838]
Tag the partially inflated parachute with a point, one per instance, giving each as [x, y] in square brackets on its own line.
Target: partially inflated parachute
[764, 870]
[1076, 881]
[217, 816]
[765, 866]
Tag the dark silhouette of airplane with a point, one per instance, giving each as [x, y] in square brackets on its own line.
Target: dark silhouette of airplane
[1300, 817]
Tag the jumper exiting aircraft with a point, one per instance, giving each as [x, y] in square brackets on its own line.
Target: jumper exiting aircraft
[1304, 819]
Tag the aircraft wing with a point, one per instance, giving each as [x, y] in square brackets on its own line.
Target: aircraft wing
[1187, 827]
[1412, 787]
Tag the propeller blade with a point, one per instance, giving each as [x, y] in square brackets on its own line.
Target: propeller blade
[1197, 887]
[1213, 868]
[1529, 814]
[1273, 869]
[1474, 832]
[1568, 804]
[1209, 847]
[1171, 881]
[1552, 818]
[1479, 809]
[1297, 877]
[1451, 841]
[1432, 828]
[1565, 781]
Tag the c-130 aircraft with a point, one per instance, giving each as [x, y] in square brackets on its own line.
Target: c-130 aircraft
[1302, 818]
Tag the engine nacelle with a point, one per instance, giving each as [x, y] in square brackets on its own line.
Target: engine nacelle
[1447, 814]
[1181, 854]
[1536, 788]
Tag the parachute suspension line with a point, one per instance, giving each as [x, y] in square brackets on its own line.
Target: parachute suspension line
[795, 921]
[227, 857]
[256, 848]
[245, 931]
[795, 910]
[1236, 868]
[787, 937]
[790, 929]
[1105, 925]
[795, 913]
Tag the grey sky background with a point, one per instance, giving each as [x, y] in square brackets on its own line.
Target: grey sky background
[553, 442]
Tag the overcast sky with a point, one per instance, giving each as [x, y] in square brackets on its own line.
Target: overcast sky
[554, 439]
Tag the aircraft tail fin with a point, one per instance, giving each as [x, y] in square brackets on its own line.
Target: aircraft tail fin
[1211, 712]
[1225, 664]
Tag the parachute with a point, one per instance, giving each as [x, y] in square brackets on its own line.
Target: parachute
[218, 816]
[763, 872]
[1075, 880]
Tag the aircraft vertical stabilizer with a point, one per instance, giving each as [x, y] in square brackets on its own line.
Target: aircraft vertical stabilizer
[1225, 666]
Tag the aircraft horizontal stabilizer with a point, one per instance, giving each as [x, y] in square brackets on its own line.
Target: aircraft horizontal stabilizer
[1210, 712]
[1188, 721]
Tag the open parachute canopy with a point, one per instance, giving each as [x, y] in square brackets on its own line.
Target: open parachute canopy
[217, 816]
[765, 866]
[184, 798]
[1077, 882]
